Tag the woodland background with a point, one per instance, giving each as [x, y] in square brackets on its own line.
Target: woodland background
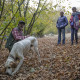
[40, 16]
[57, 62]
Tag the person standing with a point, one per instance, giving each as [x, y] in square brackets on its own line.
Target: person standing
[15, 35]
[74, 23]
[62, 22]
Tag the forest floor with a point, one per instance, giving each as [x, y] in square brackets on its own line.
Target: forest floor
[58, 62]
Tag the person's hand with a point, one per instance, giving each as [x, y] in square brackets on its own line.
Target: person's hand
[71, 23]
[61, 26]
[28, 35]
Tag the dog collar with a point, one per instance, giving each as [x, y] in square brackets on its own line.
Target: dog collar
[12, 56]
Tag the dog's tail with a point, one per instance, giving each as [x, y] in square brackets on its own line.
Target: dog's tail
[33, 40]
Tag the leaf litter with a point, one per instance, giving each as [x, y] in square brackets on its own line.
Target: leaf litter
[58, 62]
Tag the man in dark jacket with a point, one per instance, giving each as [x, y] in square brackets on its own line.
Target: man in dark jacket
[15, 35]
[62, 22]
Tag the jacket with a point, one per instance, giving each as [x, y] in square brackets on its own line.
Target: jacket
[62, 22]
[74, 20]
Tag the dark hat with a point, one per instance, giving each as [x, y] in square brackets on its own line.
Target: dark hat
[61, 12]
[21, 22]
[73, 8]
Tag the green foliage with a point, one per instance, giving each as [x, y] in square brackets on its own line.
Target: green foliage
[45, 23]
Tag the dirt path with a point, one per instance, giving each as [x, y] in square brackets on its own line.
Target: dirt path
[67, 35]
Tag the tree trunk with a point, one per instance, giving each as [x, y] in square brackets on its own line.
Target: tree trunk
[25, 11]
[33, 20]
[2, 8]
[34, 17]
[11, 19]
[19, 8]
[2, 40]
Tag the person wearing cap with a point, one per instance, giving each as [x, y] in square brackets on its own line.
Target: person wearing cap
[62, 22]
[15, 35]
[74, 23]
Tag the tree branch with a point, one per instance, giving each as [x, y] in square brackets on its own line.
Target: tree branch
[11, 19]
[34, 16]
[33, 19]
[2, 9]
[19, 8]
[25, 11]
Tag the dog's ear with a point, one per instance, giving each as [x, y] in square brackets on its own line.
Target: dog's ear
[13, 64]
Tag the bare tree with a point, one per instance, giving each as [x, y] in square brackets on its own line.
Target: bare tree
[19, 8]
[4, 31]
[0, 2]
[2, 8]
[12, 5]
[34, 17]
[42, 9]
[11, 19]
[25, 11]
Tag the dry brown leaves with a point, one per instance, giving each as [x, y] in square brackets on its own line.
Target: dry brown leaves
[57, 62]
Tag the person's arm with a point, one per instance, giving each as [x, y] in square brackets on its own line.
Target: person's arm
[79, 16]
[17, 35]
[71, 19]
[57, 24]
[66, 22]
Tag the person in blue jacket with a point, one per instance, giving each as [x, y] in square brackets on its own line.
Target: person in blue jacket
[62, 22]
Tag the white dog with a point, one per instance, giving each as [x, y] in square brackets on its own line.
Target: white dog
[17, 51]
